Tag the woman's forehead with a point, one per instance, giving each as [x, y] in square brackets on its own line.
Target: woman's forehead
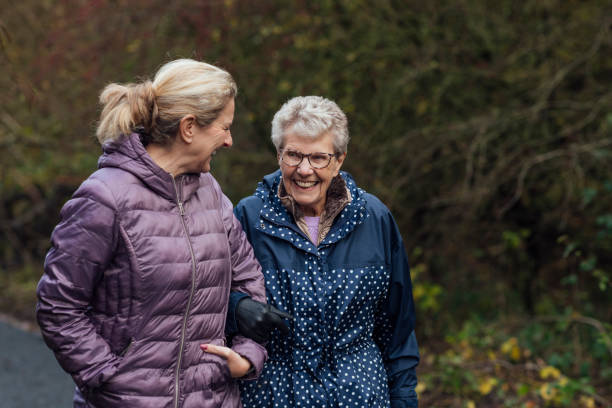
[321, 143]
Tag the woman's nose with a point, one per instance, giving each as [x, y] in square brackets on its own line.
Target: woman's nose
[304, 167]
[228, 142]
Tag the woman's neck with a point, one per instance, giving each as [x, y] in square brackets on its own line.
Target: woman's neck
[167, 157]
[312, 211]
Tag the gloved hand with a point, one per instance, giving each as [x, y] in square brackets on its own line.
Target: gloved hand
[256, 320]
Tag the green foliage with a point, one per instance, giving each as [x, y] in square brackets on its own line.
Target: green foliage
[485, 127]
[517, 363]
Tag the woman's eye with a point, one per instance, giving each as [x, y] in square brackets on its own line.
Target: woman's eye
[318, 158]
[293, 155]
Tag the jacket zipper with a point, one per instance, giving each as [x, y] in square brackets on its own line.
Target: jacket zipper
[193, 274]
[127, 348]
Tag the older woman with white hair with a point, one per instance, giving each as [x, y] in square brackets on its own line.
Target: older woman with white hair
[332, 257]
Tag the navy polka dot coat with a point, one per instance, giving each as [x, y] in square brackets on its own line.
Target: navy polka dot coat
[352, 342]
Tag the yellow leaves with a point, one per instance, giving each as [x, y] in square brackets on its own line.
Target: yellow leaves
[284, 86]
[510, 348]
[486, 385]
[515, 354]
[452, 357]
[587, 402]
[421, 387]
[547, 392]
[506, 347]
[418, 291]
[427, 295]
[133, 46]
[470, 404]
[421, 107]
[550, 372]
[417, 270]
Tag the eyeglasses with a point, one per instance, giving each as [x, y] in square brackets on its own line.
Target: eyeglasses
[317, 160]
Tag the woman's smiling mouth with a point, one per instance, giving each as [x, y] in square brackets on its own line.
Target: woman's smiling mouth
[304, 183]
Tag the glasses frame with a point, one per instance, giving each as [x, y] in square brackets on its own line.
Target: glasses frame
[302, 155]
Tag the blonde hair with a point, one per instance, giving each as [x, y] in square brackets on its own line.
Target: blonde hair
[155, 108]
[310, 116]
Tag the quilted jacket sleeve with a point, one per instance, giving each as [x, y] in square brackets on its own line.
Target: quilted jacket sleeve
[395, 326]
[82, 245]
[246, 278]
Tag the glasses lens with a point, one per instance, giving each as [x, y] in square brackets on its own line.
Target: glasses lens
[292, 158]
[319, 160]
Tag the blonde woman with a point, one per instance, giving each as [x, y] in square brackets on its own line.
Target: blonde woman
[134, 296]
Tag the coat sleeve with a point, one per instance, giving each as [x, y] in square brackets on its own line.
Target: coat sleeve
[394, 328]
[231, 326]
[247, 279]
[83, 244]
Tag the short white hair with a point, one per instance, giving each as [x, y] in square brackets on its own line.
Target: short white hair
[310, 116]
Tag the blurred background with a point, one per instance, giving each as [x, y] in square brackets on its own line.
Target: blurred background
[485, 126]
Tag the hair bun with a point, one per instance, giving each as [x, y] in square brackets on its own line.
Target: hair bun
[142, 101]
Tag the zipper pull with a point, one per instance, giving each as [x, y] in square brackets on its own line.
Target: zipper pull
[181, 210]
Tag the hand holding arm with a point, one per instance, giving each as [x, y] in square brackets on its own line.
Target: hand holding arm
[257, 320]
[238, 365]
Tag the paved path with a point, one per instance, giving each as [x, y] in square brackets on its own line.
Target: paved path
[29, 374]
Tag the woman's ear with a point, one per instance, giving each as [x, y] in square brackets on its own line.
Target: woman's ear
[186, 128]
[339, 159]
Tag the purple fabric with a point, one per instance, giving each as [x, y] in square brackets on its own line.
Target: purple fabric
[313, 227]
[119, 295]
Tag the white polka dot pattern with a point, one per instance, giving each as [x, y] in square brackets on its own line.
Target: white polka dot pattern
[332, 356]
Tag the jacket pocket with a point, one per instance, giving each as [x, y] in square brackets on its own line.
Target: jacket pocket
[119, 379]
[218, 370]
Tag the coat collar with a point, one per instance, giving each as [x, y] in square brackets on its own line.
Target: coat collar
[129, 154]
[338, 196]
[278, 221]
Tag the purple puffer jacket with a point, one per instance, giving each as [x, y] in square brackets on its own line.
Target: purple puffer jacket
[139, 276]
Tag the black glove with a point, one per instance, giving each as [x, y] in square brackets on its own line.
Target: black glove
[256, 320]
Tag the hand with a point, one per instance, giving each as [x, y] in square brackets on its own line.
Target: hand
[237, 364]
[256, 320]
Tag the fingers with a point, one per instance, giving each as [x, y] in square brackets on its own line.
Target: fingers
[274, 321]
[237, 364]
[280, 313]
[218, 350]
